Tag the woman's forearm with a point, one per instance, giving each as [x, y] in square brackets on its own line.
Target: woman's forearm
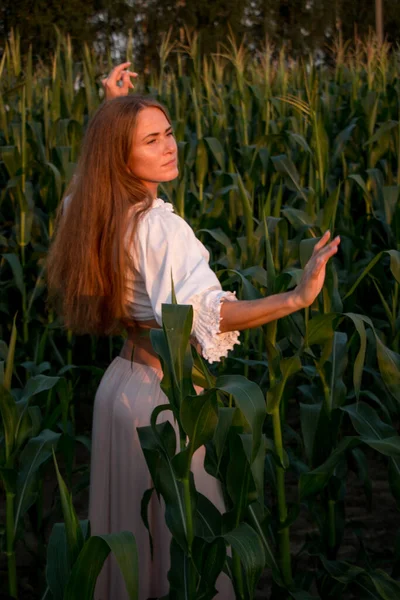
[245, 314]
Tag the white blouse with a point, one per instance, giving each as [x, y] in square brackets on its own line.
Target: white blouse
[165, 243]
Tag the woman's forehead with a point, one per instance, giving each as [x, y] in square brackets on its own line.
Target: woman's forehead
[152, 118]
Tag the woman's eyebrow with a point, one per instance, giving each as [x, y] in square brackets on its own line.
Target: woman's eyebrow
[149, 134]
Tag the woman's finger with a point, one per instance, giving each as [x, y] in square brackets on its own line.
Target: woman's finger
[324, 256]
[321, 243]
[118, 68]
[325, 248]
[116, 72]
[126, 81]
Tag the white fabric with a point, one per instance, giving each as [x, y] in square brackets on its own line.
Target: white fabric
[165, 244]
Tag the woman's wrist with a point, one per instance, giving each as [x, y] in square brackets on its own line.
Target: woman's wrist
[298, 303]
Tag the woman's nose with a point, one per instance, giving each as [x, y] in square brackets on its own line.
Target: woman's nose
[170, 144]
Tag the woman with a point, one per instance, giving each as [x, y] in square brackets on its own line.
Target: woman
[109, 268]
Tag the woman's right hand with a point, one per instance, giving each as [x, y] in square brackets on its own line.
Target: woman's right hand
[313, 276]
[109, 83]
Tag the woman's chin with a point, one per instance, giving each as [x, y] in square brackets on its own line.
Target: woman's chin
[174, 175]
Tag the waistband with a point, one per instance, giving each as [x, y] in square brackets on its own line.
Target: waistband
[138, 347]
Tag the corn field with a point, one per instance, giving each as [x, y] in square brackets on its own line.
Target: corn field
[272, 152]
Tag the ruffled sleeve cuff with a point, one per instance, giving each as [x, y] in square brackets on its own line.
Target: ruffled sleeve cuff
[206, 322]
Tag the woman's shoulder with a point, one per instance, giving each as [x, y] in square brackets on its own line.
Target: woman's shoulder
[161, 228]
[162, 214]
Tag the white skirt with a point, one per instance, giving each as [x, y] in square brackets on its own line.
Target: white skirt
[127, 394]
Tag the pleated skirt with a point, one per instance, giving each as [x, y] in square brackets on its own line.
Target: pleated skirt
[127, 394]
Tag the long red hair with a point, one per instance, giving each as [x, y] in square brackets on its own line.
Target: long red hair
[87, 259]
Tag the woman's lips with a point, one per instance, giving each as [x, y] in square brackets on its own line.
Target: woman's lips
[170, 162]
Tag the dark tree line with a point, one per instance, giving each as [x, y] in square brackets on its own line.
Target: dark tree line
[302, 25]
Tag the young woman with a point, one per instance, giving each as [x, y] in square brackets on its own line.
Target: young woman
[109, 269]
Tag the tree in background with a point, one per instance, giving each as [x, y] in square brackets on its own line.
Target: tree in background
[35, 20]
[301, 25]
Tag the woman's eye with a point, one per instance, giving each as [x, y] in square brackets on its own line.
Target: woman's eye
[152, 141]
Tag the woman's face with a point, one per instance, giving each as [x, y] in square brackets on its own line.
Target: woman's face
[154, 153]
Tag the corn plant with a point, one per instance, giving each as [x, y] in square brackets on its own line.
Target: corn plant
[272, 152]
[75, 558]
[25, 447]
[229, 418]
[200, 535]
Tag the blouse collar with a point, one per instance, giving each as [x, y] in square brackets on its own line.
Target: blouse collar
[159, 203]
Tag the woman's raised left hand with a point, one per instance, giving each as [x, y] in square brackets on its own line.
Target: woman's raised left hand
[110, 83]
[313, 277]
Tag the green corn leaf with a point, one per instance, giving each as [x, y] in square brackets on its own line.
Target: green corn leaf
[250, 400]
[11, 158]
[242, 490]
[367, 269]
[248, 545]
[257, 465]
[29, 424]
[57, 568]
[312, 482]
[341, 570]
[249, 291]
[283, 164]
[299, 219]
[327, 216]
[90, 561]
[395, 264]
[217, 151]
[389, 446]
[383, 129]
[271, 273]
[247, 210]
[309, 418]
[164, 477]
[6, 382]
[225, 419]
[361, 470]
[387, 587]
[201, 163]
[9, 415]
[37, 450]
[258, 523]
[360, 358]
[390, 202]
[144, 514]
[16, 268]
[209, 559]
[74, 535]
[288, 367]
[37, 384]
[301, 141]
[321, 328]
[389, 366]
[367, 423]
[306, 249]
[199, 419]
[208, 520]
[341, 140]
[172, 345]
